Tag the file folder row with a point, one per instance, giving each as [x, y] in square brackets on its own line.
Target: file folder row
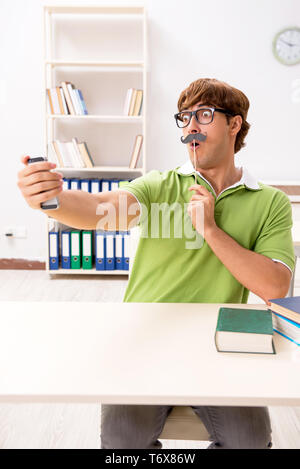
[88, 249]
[92, 185]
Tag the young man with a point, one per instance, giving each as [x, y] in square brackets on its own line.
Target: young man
[233, 235]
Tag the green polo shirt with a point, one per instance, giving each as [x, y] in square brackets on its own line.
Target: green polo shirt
[174, 264]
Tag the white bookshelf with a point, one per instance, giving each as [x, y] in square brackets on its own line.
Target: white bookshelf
[63, 66]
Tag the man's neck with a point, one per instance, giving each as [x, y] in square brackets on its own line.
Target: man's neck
[221, 178]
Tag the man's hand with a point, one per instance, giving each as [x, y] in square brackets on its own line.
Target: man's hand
[202, 200]
[38, 183]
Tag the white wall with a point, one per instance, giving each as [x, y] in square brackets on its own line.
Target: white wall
[230, 40]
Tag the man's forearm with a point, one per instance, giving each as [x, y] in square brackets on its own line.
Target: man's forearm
[77, 209]
[256, 272]
[107, 210]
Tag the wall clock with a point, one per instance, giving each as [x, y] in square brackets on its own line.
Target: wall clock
[286, 46]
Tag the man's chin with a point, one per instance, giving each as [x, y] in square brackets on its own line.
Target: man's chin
[199, 155]
[202, 161]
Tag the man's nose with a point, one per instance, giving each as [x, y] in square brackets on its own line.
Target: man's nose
[194, 126]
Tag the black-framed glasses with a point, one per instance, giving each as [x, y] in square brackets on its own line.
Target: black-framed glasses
[204, 115]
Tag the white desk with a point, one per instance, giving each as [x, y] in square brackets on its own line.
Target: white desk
[135, 353]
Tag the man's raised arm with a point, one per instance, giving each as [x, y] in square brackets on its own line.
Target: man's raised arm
[78, 209]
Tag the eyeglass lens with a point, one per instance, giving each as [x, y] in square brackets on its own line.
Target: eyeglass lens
[204, 116]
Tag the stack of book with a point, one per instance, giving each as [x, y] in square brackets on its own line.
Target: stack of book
[133, 102]
[72, 154]
[76, 154]
[65, 99]
[88, 249]
[94, 185]
[286, 317]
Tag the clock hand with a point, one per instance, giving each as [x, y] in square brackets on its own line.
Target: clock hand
[289, 43]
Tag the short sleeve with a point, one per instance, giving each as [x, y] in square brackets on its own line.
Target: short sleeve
[144, 189]
[275, 239]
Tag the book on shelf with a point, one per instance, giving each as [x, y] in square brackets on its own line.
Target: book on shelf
[244, 330]
[76, 154]
[71, 154]
[138, 103]
[54, 154]
[56, 101]
[133, 102]
[136, 151]
[82, 101]
[61, 100]
[93, 185]
[66, 99]
[70, 248]
[85, 154]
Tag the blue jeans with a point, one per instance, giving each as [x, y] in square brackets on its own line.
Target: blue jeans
[139, 426]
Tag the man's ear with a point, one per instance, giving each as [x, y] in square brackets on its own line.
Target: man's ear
[235, 124]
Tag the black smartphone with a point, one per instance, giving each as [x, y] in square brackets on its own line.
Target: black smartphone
[51, 204]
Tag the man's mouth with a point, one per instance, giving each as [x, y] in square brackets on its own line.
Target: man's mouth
[194, 144]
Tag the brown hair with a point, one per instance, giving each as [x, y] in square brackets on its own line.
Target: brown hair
[218, 93]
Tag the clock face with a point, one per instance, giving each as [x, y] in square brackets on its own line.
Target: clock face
[286, 46]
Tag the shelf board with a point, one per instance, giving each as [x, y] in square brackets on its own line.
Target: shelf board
[76, 63]
[91, 9]
[118, 119]
[96, 169]
[87, 272]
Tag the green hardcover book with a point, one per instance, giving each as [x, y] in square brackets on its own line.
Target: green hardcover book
[86, 249]
[244, 330]
[75, 249]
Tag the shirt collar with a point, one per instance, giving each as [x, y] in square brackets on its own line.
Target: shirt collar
[247, 179]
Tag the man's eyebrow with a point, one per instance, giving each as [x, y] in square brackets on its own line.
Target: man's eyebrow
[199, 106]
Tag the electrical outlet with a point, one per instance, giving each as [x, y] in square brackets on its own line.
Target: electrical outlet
[15, 231]
[8, 231]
